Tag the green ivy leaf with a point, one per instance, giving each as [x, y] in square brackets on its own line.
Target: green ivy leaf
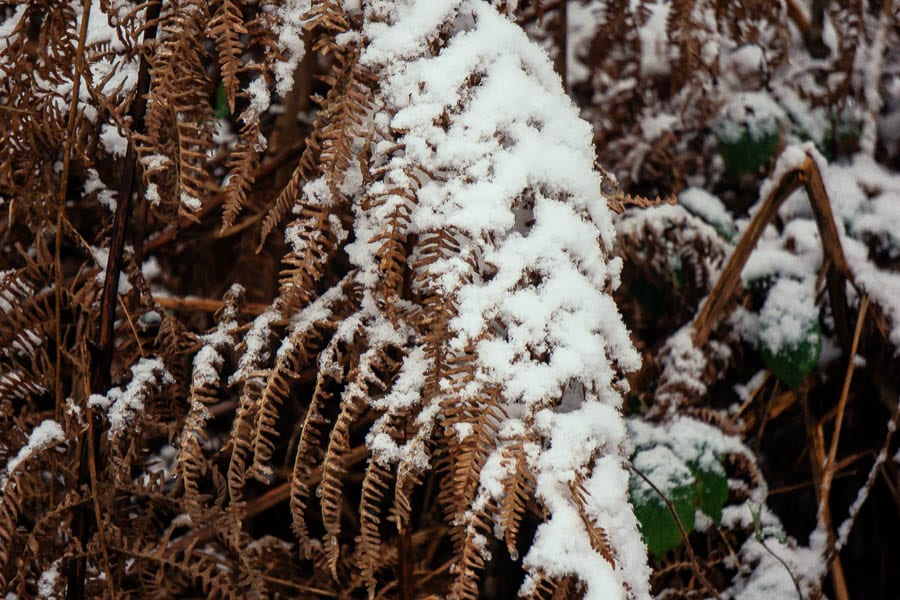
[690, 474]
[712, 485]
[658, 527]
[792, 362]
[674, 479]
[753, 148]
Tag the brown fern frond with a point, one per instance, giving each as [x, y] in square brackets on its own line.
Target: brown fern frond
[227, 27]
[375, 367]
[328, 151]
[242, 165]
[178, 130]
[470, 431]
[471, 540]
[309, 447]
[295, 353]
[205, 383]
[376, 483]
[518, 489]
[540, 587]
[300, 347]
[313, 238]
[598, 536]
[392, 253]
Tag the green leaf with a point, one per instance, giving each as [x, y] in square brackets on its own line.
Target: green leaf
[674, 479]
[658, 527]
[221, 107]
[754, 147]
[792, 362]
[713, 488]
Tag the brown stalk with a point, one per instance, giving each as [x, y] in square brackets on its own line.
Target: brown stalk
[830, 462]
[842, 403]
[817, 458]
[798, 16]
[105, 335]
[204, 305]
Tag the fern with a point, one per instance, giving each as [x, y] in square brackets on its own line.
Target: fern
[372, 282]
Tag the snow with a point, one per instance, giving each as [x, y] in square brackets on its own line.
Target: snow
[8, 27]
[654, 41]
[747, 60]
[105, 196]
[865, 198]
[582, 24]
[791, 158]
[754, 112]
[661, 466]
[514, 184]
[769, 578]
[256, 345]
[259, 100]
[708, 207]
[121, 405]
[405, 394]
[683, 363]
[664, 449]
[192, 203]
[207, 363]
[655, 125]
[101, 257]
[292, 16]
[113, 141]
[48, 581]
[786, 316]
[48, 433]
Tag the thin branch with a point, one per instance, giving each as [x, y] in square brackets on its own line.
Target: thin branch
[786, 567]
[204, 305]
[828, 471]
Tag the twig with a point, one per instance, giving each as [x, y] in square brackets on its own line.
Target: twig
[847, 525]
[134, 331]
[684, 535]
[318, 592]
[785, 565]
[828, 471]
[204, 305]
[762, 425]
[785, 489]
